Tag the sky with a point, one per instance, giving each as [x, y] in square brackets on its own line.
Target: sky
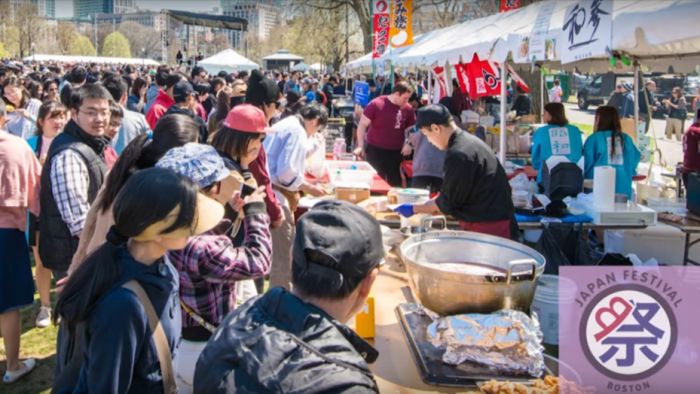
[64, 8]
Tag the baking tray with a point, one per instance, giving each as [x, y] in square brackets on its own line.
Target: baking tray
[428, 358]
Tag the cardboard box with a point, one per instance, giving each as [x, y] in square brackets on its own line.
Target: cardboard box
[353, 194]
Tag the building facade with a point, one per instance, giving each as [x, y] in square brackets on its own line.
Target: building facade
[84, 9]
[262, 17]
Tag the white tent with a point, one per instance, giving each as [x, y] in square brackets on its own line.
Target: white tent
[227, 60]
[90, 59]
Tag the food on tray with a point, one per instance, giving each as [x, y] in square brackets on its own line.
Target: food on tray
[548, 385]
[506, 341]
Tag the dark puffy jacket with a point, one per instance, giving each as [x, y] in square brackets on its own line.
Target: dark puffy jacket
[277, 343]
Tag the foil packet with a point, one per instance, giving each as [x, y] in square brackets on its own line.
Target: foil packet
[506, 341]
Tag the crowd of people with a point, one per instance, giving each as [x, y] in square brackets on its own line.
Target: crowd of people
[158, 202]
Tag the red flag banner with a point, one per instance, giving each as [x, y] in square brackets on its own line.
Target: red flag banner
[440, 83]
[462, 77]
[518, 79]
[507, 5]
[380, 27]
[484, 78]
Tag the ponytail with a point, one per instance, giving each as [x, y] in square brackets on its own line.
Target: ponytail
[125, 166]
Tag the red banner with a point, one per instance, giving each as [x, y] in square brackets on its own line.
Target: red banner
[484, 78]
[508, 5]
[380, 27]
[440, 87]
[462, 77]
[518, 79]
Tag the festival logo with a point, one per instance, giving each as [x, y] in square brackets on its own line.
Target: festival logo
[628, 332]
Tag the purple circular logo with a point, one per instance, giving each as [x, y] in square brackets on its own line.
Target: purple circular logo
[628, 332]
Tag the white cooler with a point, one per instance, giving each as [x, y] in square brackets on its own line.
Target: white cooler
[662, 242]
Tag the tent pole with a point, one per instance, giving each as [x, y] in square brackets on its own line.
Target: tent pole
[502, 142]
[541, 94]
[636, 96]
[430, 87]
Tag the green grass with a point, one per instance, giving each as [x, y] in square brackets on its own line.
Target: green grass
[39, 343]
[585, 127]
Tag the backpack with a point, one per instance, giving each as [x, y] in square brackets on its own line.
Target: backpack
[564, 180]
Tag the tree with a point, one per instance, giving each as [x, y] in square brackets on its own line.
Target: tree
[144, 40]
[30, 27]
[82, 46]
[116, 45]
[65, 34]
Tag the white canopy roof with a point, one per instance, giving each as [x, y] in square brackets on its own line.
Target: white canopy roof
[283, 54]
[227, 60]
[90, 59]
[656, 31]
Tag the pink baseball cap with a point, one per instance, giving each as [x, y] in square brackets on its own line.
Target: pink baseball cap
[248, 119]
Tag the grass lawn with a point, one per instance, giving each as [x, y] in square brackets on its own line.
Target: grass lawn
[586, 128]
[37, 343]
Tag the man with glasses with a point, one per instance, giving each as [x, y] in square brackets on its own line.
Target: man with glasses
[199, 75]
[73, 174]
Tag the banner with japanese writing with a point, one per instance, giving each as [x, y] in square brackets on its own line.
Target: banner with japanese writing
[507, 5]
[440, 85]
[380, 27]
[401, 31]
[587, 30]
[462, 77]
[484, 78]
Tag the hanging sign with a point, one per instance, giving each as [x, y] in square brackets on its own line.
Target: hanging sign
[380, 27]
[401, 31]
[587, 30]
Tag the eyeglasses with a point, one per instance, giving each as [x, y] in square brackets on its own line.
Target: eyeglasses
[95, 114]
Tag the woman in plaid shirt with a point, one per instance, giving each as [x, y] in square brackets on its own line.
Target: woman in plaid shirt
[210, 264]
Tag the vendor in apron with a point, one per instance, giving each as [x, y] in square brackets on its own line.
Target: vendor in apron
[475, 188]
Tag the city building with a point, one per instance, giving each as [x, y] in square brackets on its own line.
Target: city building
[153, 19]
[262, 17]
[84, 9]
[45, 8]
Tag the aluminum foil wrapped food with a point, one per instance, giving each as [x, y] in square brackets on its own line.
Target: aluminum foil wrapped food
[506, 341]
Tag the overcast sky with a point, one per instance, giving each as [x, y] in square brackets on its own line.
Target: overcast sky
[64, 8]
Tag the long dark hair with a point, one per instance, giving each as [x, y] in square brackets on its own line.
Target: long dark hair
[14, 81]
[557, 114]
[143, 152]
[223, 104]
[101, 270]
[608, 119]
[49, 109]
[139, 83]
[33, 88]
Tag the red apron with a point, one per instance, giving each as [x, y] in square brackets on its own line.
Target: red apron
[499, 228]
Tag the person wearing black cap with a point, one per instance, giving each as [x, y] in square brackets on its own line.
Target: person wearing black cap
[297, 342]
[475, 188]
[186, 104]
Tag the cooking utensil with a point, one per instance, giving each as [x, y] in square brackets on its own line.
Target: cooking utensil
[426, 225]
[454, 272]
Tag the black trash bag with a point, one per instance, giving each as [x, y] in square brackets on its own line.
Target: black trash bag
[565, 244]
[615, 259]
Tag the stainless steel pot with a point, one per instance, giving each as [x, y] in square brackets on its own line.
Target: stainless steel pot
[426, 225]
[453, 272]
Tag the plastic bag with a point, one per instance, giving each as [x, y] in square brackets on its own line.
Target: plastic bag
[564, 244]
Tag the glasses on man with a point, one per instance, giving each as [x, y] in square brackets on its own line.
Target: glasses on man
[94, 114]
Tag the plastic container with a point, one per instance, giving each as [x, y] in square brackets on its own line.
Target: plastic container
[549, 297]
[350, 171]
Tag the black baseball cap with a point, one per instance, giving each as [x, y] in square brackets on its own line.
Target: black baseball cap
[181, 90]
[433, 114]
[346, 235]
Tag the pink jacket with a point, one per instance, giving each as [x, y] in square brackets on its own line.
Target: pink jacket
[20, 180]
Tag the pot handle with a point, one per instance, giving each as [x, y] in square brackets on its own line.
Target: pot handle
[427, 222]
[519, 263]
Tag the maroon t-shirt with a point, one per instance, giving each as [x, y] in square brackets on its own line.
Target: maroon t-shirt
[388, 123]
[691, 149]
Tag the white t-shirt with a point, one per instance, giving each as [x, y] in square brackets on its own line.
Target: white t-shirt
[555, 94]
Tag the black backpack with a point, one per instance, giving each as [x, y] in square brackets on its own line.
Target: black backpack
[564, 180]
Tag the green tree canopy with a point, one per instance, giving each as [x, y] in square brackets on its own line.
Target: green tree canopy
[81, 46]
[116, 45]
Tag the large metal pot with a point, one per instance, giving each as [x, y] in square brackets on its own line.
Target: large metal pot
[453, 272]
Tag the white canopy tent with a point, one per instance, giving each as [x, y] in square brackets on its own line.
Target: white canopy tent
[227, 60]
[90, 59]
